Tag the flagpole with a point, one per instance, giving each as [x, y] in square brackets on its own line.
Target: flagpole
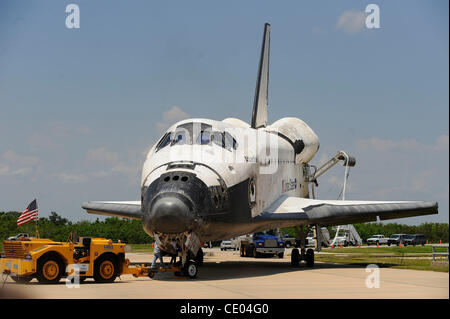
[37, 231]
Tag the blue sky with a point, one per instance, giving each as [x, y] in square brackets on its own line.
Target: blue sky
[79, 107]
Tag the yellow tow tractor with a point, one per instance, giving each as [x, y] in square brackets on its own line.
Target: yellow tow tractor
[48, 261]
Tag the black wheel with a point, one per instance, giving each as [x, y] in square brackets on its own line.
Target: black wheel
[310, 258]
[50, 269]
[105, 269]
[21, 279]
[280, 255]
[199, 257]
[254, 253]
[151, 274]
[190, 269]
[295, 258]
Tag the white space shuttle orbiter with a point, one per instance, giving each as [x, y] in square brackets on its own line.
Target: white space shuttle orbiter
[221, 179]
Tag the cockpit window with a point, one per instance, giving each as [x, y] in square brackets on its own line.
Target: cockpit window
[183, 134]
[165, 140]
[198, 133]
[223, 139]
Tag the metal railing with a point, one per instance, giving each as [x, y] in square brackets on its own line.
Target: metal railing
[439, 254]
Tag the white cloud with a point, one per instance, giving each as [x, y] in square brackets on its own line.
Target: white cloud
[351, 21]
[102, 156]
[13, 164]
[56, 135]
[170, 117]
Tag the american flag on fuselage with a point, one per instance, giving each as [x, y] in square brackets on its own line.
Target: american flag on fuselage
[31, 213]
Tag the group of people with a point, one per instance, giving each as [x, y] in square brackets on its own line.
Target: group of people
[186, 247]
[160, 249]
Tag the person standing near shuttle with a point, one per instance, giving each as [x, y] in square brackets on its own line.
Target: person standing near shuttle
[222, 179]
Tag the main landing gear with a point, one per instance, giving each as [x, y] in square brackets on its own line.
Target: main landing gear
[307, 256]
[303, 254]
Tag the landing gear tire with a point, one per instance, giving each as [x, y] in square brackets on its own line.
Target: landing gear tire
[295, 258]
[199, 257]
[310, 258]
[190, 269]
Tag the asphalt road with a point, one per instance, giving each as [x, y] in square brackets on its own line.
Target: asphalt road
[226, 275]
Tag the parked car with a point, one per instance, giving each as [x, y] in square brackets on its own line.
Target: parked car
[377, 239]
[229, 244]
[416, 239]
[21, 235]
[397, 239]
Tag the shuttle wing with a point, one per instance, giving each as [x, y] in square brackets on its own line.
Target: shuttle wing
[130, 209]
[297, 211]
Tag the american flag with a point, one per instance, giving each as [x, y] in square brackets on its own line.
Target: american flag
[31, 213]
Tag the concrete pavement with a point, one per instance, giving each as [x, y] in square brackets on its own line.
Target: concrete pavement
[227, 275]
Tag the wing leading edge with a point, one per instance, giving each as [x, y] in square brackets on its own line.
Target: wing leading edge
[131, 209]
[297, 211]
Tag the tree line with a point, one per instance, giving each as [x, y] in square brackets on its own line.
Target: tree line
[57, 228]
[130, 231]
[434, 232]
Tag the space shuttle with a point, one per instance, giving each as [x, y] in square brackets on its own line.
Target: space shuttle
[222, 179]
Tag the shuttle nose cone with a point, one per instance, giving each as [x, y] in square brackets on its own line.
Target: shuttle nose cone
[170, 215]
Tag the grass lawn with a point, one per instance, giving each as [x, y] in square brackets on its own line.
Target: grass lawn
[418, 258]
[141, 248]
[386, 249]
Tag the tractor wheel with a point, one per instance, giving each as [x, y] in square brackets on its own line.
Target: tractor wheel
[105, 269]
[255, 254]
[49, 269]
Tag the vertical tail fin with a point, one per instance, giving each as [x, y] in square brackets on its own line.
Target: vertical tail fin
[259, 114]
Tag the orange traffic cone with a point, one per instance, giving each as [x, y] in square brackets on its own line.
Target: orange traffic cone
[378, 245]
[440, 241]
[359, 245]
[332, 246]
[427, 241]
[341, 245]
[401, 244]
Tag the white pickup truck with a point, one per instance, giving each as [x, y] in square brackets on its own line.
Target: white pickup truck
[377, 239]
